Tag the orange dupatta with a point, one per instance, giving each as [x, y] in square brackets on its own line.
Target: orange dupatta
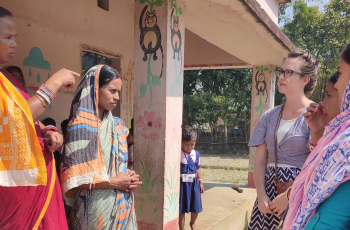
[21, 159]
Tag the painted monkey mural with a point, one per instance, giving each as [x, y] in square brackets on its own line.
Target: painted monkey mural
[175, 34]
[260, 82]
[150, 36]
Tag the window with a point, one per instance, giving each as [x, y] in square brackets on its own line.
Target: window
[90, 59]
[103, 4]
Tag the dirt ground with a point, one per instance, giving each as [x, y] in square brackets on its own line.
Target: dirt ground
[225, 166]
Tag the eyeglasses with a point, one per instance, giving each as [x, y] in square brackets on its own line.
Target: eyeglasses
[286, 73]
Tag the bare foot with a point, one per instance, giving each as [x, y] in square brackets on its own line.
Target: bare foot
[193, 226]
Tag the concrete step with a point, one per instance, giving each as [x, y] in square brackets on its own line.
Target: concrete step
[224, 208]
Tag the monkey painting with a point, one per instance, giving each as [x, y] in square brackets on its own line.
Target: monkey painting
[175, 34]
[261, 85]
[150, 37]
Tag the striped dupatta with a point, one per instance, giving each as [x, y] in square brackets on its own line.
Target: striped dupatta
[84, 156]
[327, 166]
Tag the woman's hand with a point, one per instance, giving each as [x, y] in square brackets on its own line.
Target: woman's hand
[62, 78]
[125, 182]
[263, 205]
[279, 204]
[314, 118]
[53, 140]
[135, 180]
[122, 181]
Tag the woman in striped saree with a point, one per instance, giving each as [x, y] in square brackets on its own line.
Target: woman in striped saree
[94, 174]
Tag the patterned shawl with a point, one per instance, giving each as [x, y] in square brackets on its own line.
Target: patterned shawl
[83, 161]
[21, 159]
[327, 166]
[44, 201]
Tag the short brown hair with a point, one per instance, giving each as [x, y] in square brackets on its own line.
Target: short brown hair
[309, 68]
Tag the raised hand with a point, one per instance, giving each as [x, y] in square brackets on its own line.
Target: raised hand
[62, 78]
[315, 118]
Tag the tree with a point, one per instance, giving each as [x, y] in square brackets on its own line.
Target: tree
[213, 94]
[324, 34]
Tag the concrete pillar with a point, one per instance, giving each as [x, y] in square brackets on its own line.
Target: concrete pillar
[263, 96]
[158, 91]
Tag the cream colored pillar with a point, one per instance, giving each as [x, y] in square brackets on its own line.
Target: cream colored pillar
[263, 96]
[158, 91]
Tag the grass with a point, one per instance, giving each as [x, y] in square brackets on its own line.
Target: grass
[225, 166]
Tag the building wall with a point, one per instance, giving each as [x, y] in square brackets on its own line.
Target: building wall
[59, 29]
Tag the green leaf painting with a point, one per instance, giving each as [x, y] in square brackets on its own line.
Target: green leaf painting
[159, 2]
[262, 69]
[152, 3]
[143, 90]
[156, 81]
[148, 86]
[260, 107]
[178, 10]
[149, 180]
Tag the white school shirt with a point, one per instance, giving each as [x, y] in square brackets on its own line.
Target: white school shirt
[193, 155]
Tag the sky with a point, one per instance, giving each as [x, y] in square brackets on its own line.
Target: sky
[320, 3]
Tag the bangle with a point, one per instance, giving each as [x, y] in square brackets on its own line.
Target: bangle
[42, 100]
[44, 96]
[43, 88]
[312, 146]
[47, 128]
[288, 192]
[199, 179]
[49, 91]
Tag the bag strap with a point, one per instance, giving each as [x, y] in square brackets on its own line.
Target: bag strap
[275, 142]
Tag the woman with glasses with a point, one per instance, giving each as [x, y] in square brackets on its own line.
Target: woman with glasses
[282, 132]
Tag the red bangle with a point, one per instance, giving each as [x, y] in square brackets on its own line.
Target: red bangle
[47, 128]
[312, 146]
[288, 192]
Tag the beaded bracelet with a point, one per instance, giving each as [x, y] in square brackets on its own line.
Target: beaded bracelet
[46, 90]
[47, 128]
[46, 94]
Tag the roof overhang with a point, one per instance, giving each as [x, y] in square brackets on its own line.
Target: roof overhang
[232, 34]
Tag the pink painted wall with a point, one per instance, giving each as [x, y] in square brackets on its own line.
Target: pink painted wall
[158, 112]
[59, 28]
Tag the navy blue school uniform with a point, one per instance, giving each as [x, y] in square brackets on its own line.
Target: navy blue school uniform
[190, 194]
